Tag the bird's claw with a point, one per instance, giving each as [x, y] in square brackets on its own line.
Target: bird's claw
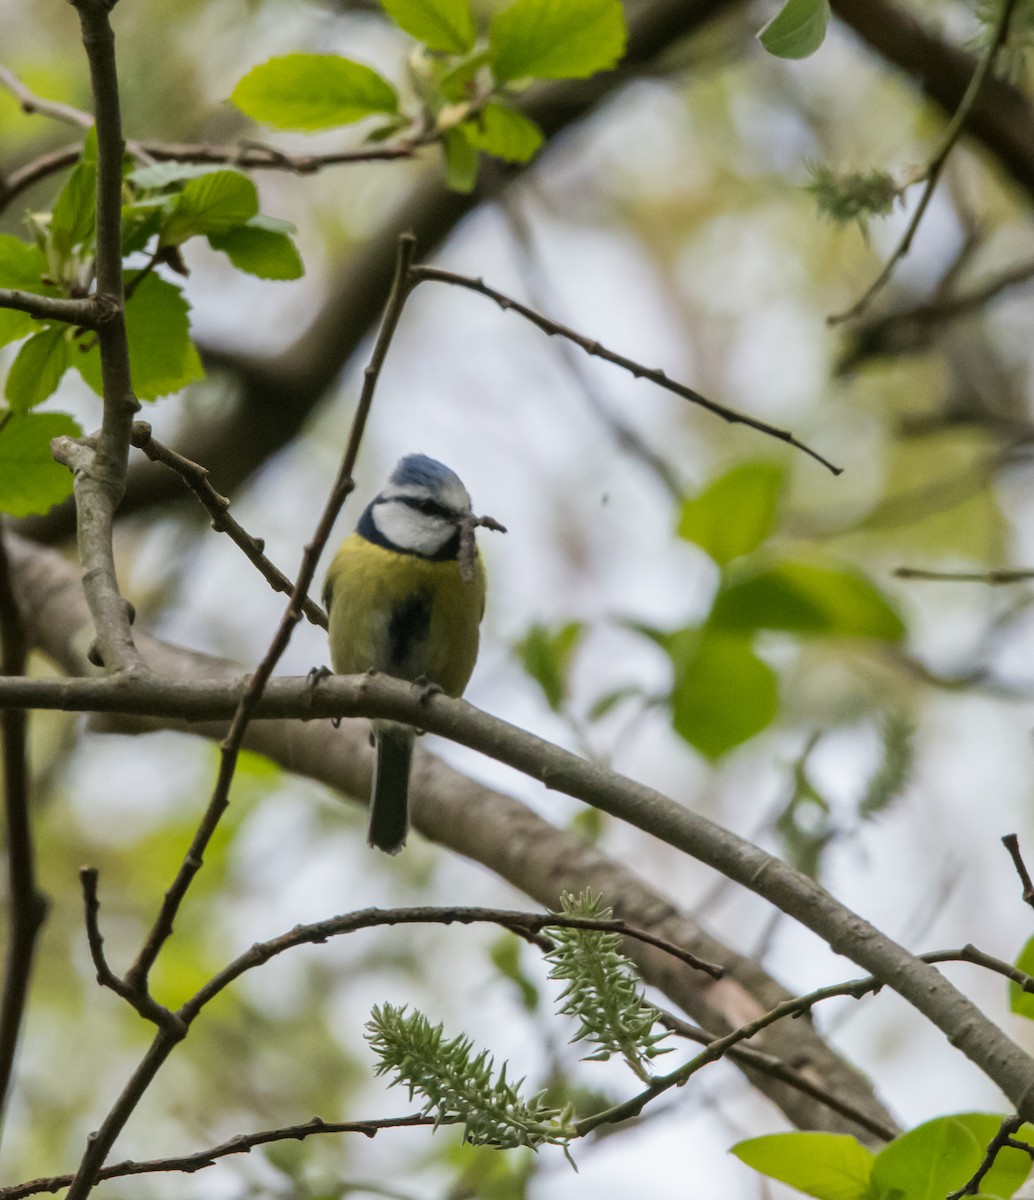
[427, 688]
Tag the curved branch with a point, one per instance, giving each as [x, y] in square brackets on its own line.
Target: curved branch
[493, 829]
[800, 897]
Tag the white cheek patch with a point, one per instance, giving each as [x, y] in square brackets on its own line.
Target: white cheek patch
[411, 530]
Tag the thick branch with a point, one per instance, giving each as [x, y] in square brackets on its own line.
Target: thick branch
[503, 834]
[101, 478]
[86, 313]
[26, 904]
[796, 895]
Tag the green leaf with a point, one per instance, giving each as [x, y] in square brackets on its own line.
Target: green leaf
[161, 355]
[503, 132]
[1021, 1002]
[445, 25]
[461, 162]
[556, 39]
[15, 325]
[160, 175]
[801, 598]
[72, 222]
[37, 369]
[22, 265]
[30, 480]
[456, 83]
[941, 1155]
[830, 1166]
[267, 253]
[213, 203]
[723, 694]
[140, 223]
[606, 703]
[797, 30]
[736, 512]
[313, 91]
[546, 655]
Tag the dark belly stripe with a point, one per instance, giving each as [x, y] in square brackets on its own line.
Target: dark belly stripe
[409, 626]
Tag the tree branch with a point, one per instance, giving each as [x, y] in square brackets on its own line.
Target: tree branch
[88, 313]
[936, 166]
[136, 979]
[196, 478]
[527, 925]
[493, 829]
[26, 903]
[100, 479]
[375, 696]
[277, 394]
[593, 348]
[243, 1143]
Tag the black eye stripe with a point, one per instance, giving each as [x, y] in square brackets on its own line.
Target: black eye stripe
[430, 507]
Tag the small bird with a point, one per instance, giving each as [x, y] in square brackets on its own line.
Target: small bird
[403, 599]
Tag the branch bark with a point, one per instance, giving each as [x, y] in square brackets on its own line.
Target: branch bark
[496, 830]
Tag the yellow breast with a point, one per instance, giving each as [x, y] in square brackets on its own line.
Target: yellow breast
[402, 614]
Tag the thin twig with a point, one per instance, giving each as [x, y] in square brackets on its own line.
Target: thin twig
[992, 577]
[144, 1003]
[624, 434]
[243, 1143]
[87, 313]
[249, 157]
[794, 1007]
[100, 1143]
[196, 478]
[26, 903]
[940, 158]
[593, 348]
[752, 1059]
[1012, 843]
[46, 108]
[998, 1143]
[900, 327]
[526, 925]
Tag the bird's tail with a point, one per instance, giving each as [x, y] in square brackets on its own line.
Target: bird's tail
[389, 803]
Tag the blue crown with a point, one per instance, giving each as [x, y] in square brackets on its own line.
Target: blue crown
[422, 471]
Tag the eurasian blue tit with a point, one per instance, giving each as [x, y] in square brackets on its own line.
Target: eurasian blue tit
[400, 602]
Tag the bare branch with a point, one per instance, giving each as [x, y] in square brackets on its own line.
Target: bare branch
[933, 172]
[101, 478]
[142, 1001]
[596, 350]
[1012, 843]
[89, 312]
[995, 577]
[196, 478]
[26, 904]
[777, 1068]
[803, 899]
[47, 108]
[794, 1007]
[136, 977]
[526, 925]
[243, 1143]
[468, 819]
[1001, 1139]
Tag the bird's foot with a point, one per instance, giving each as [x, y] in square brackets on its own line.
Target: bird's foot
[427, 688]
[314, 678]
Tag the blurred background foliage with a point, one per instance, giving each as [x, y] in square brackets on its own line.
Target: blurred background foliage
[700, 607]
